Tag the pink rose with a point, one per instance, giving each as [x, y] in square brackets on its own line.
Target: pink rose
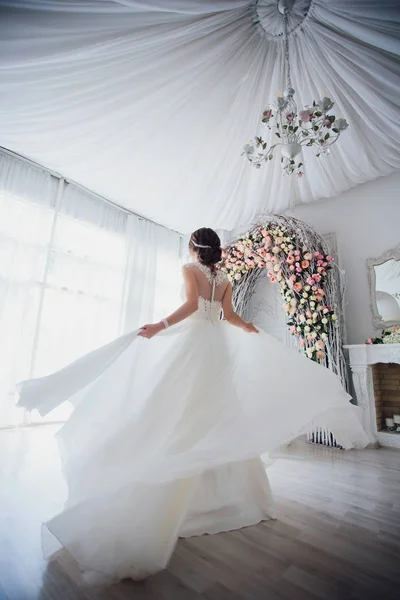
[297, 252]
[268, 256]
[238, 276]
[369, 340]
[298, 286]
[289, 117]
[291, 267]
[267, 114]
[292, 328]
[320, 344]
[274, 260]
[267, 241]
[292, 278]
[310, 280]
[305, 116]
[305, 264]
[302, 343]
[290, 260]
[299, 270]
[324, 264]
[319, 263]
[273, 279]
[276, 249]
[314, 288]
[330, 258]
[320, 354]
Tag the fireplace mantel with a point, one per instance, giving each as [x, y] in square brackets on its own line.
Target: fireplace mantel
[361, 357]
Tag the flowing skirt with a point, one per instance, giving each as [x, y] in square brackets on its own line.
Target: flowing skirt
[164, 429]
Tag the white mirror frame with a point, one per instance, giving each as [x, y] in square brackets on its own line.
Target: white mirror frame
[371, 263]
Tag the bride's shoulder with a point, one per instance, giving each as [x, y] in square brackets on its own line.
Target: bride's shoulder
[220, 276]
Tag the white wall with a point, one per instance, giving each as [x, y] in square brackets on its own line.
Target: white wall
[366, 221]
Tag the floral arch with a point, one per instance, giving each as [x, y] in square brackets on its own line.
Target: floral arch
[296, 259]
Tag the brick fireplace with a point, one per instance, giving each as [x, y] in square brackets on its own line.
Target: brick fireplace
[386, 379]
[376, 378]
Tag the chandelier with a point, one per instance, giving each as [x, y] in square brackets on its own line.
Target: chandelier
[312, 126]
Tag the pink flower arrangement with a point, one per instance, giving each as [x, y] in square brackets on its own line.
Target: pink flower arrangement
[300, 274]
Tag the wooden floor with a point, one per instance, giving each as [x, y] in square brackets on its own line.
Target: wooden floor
[337, 536]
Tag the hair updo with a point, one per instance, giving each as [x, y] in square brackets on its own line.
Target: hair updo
[205, 243]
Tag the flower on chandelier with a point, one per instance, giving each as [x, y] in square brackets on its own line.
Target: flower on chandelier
[311, 127]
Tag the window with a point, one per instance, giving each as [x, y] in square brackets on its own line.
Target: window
[72, 270]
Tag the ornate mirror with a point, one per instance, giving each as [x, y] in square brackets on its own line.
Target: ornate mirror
[384, 280]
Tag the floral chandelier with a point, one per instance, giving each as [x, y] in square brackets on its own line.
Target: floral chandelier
[312, 126]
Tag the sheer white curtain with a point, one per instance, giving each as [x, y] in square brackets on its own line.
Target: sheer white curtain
[75, 272]
[153, 276]
[27, 201]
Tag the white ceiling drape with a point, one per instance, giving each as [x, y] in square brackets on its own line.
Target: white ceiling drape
[149, 102]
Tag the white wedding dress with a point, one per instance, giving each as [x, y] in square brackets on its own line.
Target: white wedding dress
[166, 434]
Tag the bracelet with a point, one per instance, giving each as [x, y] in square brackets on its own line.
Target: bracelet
[165, 323]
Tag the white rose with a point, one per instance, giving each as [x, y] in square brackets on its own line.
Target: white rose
[324, 321]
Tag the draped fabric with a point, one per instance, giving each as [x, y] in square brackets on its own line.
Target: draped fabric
[71, 276]
[149, 103]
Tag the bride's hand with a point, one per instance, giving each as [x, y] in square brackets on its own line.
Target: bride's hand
[250, 328]
[149, 331]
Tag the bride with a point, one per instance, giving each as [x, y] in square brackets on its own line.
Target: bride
[165, 437]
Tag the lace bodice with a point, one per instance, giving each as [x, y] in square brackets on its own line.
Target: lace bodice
[209, 309]
[219, 277]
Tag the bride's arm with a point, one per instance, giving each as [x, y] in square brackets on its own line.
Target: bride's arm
[184, 311]
[230, 314]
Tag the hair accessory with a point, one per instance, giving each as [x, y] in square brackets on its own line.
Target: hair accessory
[200, 245]
[165, 322]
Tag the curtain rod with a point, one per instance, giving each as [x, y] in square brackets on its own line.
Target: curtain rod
[81, 187]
